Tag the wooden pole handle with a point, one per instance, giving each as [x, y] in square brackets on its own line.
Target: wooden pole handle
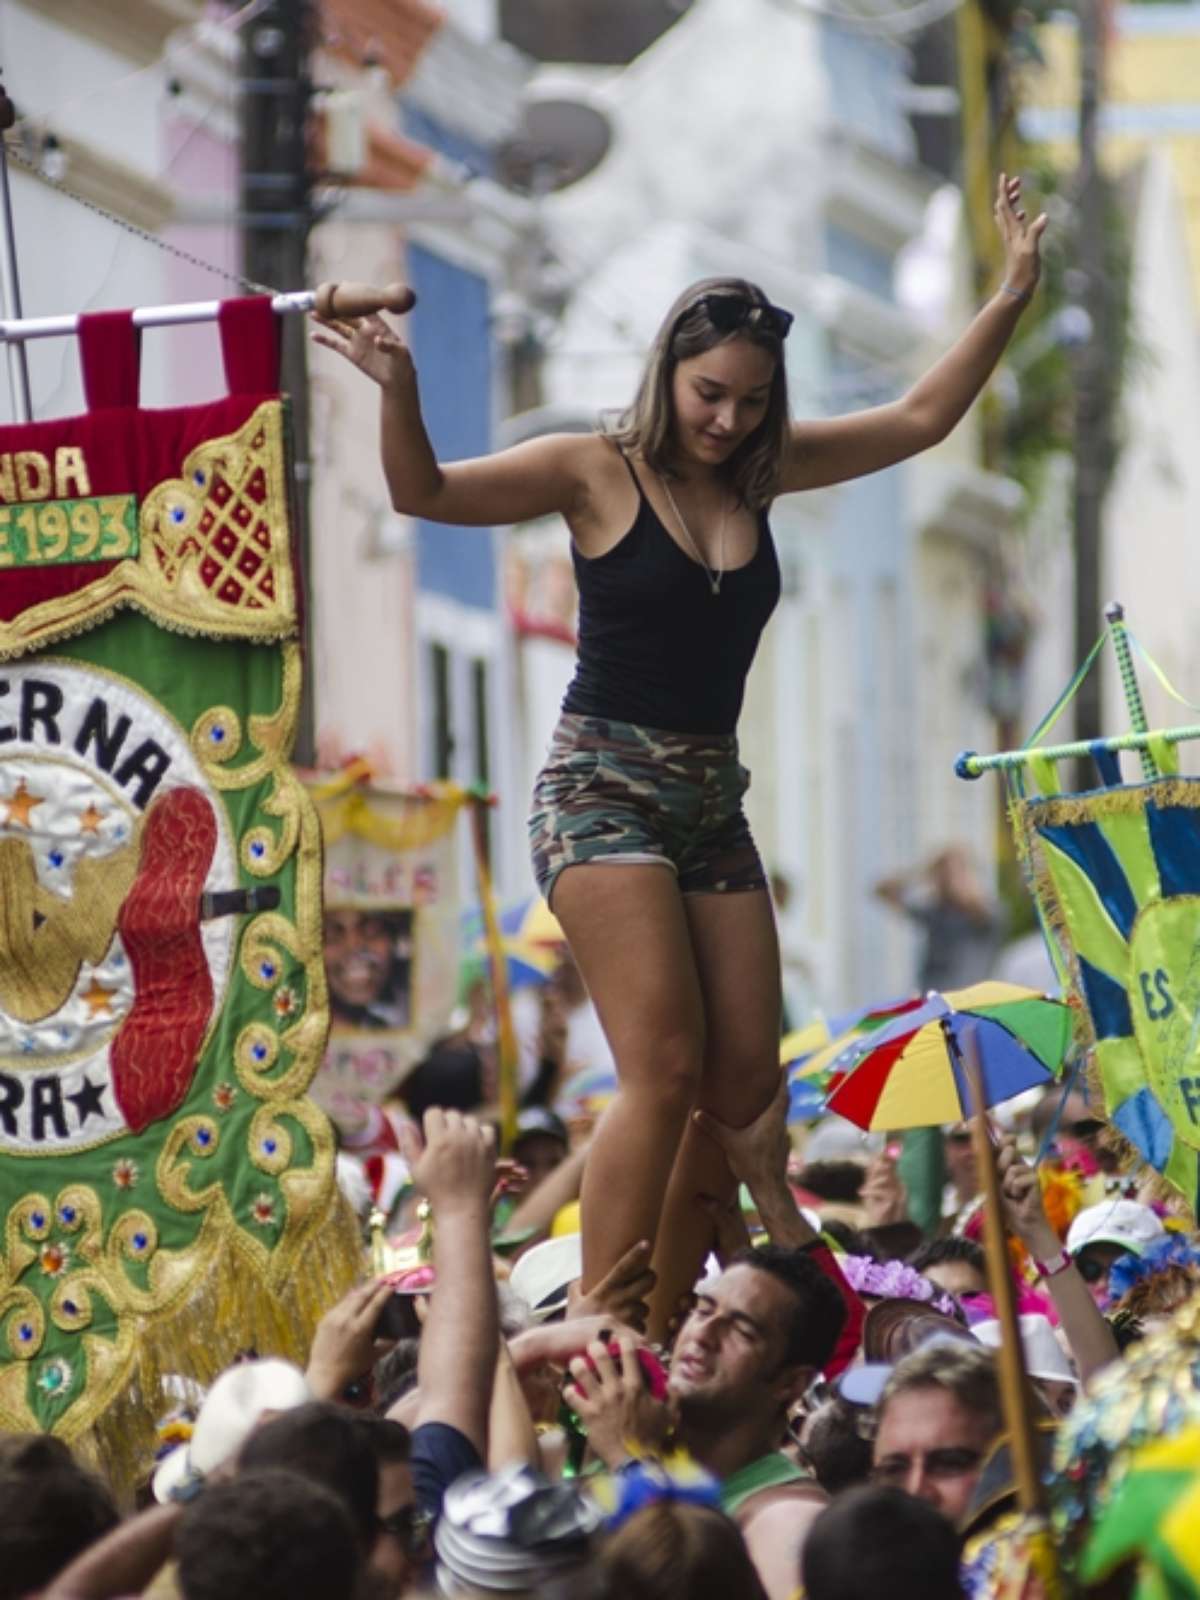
[350, 300]
[1010, 1357]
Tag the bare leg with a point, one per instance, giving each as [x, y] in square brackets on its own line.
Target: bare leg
[629, 935]
[737, 957]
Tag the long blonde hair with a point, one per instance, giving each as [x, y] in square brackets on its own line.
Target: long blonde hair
[647, 427]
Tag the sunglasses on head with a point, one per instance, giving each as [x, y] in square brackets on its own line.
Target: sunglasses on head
[728, 312]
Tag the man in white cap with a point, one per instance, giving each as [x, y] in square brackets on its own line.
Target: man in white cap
[235, 1404]
[1102, 1233]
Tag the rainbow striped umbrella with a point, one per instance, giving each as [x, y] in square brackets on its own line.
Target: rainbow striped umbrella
[908, 1073]
[807, 1054]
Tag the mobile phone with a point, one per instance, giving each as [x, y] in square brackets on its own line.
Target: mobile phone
[398, 1319]
[654, 1374]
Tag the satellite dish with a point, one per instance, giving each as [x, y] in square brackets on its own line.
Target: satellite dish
[561, 138]
[601, 33]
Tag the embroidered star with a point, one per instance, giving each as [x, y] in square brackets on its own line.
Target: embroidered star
[20, 805]
[98, 999]
[91, 819]
[87, 1100]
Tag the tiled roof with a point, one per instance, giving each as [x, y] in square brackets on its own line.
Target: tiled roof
[391, 32]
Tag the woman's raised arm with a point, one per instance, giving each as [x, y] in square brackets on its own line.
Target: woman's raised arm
[835, 449]
[534, 479]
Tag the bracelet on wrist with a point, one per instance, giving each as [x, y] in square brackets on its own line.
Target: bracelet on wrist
[1020, 295]
[1056, 1264]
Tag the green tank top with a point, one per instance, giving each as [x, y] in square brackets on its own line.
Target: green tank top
[771, 1471]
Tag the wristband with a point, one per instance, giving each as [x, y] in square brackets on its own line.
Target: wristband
[1017, 294]
[1056, 1264]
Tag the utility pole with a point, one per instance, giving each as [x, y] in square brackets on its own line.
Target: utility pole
[1093, 366]
[276, 216]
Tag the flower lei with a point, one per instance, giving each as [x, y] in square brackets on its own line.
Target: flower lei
[894, 1280]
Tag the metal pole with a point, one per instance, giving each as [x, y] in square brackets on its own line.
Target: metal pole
[1093, 363]
[276, 204]
[10, 283]
[17, 332]
[971, 765]
[1114, 616]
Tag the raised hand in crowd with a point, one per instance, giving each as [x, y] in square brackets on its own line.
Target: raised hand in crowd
[622, 1295]
[613, 1400]
[758, 1156]
[510, 1178]
[883, 1197]
[457, 1361]
[456, 1169]
[371, 344]
[729, 1225]
[1091, 1339]
[345, 1346]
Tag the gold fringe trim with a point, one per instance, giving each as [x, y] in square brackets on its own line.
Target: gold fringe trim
[1125, 801]
[229, 1311]
[12, 648]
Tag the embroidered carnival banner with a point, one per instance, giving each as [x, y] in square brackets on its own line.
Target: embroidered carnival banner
[167, 1187]
[1116, 874]
[391, 933]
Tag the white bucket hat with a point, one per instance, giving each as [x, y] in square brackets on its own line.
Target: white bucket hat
[237, 1401]
[541, 1275]
[1045, 1358]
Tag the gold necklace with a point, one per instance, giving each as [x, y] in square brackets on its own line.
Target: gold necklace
[714, 576]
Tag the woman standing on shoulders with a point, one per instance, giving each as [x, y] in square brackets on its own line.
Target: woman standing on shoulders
[639, 840]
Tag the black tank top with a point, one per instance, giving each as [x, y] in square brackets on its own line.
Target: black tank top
[656, 646]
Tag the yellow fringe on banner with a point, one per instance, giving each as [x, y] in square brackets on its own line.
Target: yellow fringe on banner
[231, 1311]
[427, 816]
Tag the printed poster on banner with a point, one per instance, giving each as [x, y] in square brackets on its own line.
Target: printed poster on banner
[391, 925]
[166, 1183]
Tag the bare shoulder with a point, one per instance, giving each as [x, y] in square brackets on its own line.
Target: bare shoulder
[589, 461]
[782, 1506]
[601, 463]
[608, 500]
[775, 1525]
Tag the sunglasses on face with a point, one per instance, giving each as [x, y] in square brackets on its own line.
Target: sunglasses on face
[1090, 1269]
[1085, 1128]
[730, 312]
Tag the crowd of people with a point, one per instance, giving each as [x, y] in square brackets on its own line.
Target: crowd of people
[681, 1351]
[822, 1418]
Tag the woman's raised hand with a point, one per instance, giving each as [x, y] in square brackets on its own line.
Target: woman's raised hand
[1022, 239]
[371, 344]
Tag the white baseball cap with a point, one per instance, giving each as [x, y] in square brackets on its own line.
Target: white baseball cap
[1045, 1358]
[541, 1276]
[237, 1401]
[1125, 1223]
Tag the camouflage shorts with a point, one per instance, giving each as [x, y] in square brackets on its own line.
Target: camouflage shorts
[611, 791]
